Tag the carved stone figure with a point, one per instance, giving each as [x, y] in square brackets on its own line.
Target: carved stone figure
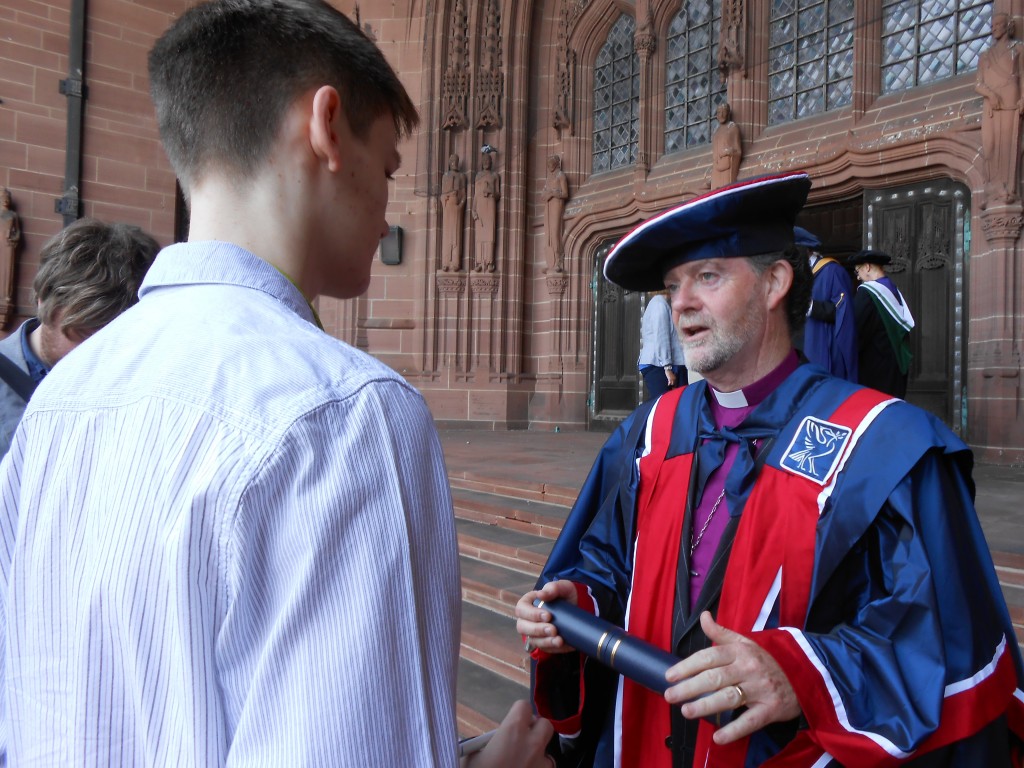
[453, 203]
[556, 192]
[999, 82]
[726, 149]
[730, 49]
[486, 191]
[10, 228]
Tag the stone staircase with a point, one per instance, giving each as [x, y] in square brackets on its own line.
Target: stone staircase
[505, 534]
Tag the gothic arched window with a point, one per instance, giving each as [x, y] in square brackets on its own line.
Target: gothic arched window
[931, 40]
[810, 58]
[693, 85]
[616, 99]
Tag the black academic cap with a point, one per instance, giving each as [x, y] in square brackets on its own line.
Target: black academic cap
[869, 257]
[747, 218]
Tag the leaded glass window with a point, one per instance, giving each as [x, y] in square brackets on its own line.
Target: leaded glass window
[810, 58]
[617, 99]
[693, 85]
[928, 40]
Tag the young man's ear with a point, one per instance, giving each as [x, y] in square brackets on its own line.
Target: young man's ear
[323, 136]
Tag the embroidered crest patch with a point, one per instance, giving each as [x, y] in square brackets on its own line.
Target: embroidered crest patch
[816, 448]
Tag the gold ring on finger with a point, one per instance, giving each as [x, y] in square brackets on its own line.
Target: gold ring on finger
[741, 694]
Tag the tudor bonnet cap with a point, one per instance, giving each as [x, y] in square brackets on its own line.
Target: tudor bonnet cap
[748, 218]
[868, 256]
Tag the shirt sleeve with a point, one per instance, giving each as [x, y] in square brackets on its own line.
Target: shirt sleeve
[341, 644]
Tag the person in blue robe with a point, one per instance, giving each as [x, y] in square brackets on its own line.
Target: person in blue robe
[807, 547]
[830, 332]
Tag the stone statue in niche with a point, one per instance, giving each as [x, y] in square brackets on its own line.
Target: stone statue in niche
[486, 191]
[453, 203]
[556, 192]
[10, 227]
[726, 149]
[999, 82]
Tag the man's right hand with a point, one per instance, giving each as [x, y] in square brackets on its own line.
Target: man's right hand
[534, 623]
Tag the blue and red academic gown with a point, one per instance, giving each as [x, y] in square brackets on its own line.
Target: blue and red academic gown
[832, 343]
[856, 559]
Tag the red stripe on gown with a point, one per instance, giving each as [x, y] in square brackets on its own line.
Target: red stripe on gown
[767, 542]
[645, 714]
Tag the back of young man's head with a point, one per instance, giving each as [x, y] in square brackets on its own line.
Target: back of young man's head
[224, 75]
[90, 272]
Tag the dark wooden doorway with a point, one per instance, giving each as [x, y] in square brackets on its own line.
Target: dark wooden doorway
[925, 228]
[615, 382]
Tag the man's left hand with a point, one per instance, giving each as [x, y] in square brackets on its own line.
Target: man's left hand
[734, 672]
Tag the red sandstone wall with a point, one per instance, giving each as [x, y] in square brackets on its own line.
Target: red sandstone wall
[125, 176]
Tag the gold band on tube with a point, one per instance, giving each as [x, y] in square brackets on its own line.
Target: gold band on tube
[611, 659]
[600, 643]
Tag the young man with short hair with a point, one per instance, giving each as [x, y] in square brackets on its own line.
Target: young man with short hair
[232, 543]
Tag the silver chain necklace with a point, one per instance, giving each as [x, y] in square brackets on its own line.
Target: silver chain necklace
[695, 542]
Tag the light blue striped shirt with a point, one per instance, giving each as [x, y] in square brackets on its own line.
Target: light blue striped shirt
[226, 539]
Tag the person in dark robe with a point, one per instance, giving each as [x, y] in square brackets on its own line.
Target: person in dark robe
[884, 322]
[808, 548]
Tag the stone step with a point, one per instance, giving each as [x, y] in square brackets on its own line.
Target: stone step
[502, 546]
[490, 640]
[483, 698]
[520, 488]
[493, 586]
[503, 542]
[534, 517]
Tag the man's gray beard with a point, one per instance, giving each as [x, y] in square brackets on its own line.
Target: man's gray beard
[712, 354]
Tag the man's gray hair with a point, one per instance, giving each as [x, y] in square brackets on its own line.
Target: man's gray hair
[799, 297]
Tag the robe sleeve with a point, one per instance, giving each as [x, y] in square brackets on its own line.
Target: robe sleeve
[920, 654]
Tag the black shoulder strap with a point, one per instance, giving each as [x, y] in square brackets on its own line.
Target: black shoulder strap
[19, 381]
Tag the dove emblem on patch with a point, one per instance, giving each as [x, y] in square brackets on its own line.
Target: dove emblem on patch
[816, 448]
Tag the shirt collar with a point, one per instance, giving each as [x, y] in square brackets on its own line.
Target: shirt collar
[37, 369]
[754, 394]
[213, 262]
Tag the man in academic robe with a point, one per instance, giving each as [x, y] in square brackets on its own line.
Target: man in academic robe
[884, 322]
[807, 547]
[830, 334]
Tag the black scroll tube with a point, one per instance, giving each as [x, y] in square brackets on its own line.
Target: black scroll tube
[628, 655]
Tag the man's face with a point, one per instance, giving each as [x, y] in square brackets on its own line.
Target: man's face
[54, 343]
[359, 199]
[722, 315]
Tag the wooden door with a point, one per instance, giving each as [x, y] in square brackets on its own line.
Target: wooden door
[615, 381]
[925, 229]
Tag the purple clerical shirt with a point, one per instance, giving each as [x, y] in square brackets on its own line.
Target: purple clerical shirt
[728, 409]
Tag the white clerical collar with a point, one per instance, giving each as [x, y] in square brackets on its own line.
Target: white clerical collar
[730, 399]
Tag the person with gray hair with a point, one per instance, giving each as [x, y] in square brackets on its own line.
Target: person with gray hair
[808, 549]
[89, 273]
